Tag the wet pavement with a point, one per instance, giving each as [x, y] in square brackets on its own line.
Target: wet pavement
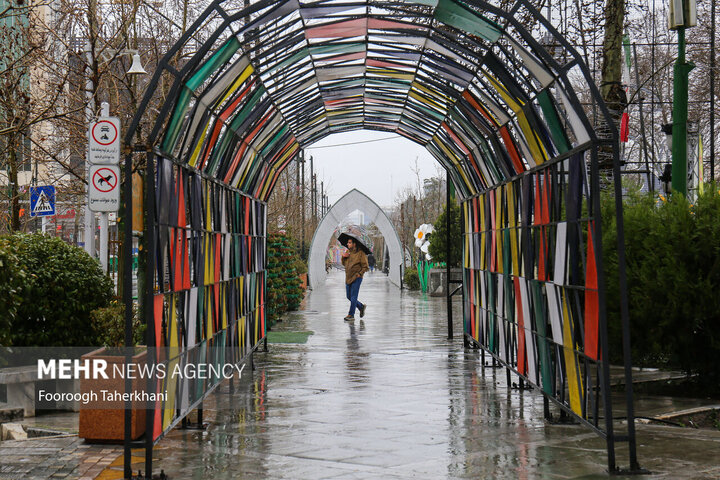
[385, 397]
[390, 397]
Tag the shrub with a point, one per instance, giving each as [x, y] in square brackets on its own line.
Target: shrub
[63, 284]
[109, 323]
[284, 292]
[673, 275]
[438, 247]
[11, 283]
[411, 279]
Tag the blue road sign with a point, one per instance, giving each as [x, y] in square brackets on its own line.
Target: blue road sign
[42, 201]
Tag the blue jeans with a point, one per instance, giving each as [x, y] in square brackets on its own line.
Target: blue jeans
[352, 291]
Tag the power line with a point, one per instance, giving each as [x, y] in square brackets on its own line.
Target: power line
[353, 143]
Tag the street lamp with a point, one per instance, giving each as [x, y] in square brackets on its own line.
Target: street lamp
[136, 68]
[682, 15]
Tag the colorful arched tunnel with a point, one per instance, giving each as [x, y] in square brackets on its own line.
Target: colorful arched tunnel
[489, 91]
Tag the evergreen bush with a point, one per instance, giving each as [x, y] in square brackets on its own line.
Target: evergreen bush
[62, 285]
[283, 284]
[411, 279]
[438, 249]
[673, 276]
[11, 283]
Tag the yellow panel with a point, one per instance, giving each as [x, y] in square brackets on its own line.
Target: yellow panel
[536, 147]
[434, 93]
[512, 217]
[240, 80]
[574, 382]
[483, 235]
[169, 411]
[499, 230]
[198, 147]
[223, 307]
[174, 340]
[208, 313]
[426, 101]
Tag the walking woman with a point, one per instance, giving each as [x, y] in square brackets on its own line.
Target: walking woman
[355, 262]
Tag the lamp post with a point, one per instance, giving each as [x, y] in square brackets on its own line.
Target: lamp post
[683, 14]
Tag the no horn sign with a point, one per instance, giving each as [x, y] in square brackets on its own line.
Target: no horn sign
[104, 189]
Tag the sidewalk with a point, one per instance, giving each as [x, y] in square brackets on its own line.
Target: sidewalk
[388, 397]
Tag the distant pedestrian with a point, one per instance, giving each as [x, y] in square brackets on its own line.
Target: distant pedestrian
[355, 262]
[371, 262]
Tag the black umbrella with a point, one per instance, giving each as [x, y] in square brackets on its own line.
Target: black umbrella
[344, 237]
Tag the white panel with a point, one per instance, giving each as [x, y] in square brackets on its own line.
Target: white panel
[560, 254]
[351, 201]
[555, 316]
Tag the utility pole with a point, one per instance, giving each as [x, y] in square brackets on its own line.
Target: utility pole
[683, 14]
[302, 200]
[322, 199]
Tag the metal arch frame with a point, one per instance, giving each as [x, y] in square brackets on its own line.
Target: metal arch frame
[351, 201]
[592, 146]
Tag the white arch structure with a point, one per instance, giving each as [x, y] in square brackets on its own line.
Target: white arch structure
[351, 201]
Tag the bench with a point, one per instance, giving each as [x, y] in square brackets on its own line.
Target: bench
[20, 382]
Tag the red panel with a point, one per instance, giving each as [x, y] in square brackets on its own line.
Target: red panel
[219, 123]
[158, 319]
[592, 298]
[350, 28]
[391, 25]
[382, 64]
[512, 151]
[540, 220]
[469, 97]
[236, 161]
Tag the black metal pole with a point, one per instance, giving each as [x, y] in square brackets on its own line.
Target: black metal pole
[712, 91]
[448, 255]
[128, 301]
[302, 201]
[150, 340]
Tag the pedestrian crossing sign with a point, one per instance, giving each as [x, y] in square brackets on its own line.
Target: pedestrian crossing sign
[42, 201]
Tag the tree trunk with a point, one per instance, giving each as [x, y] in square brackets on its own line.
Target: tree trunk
[13, 184]
[611, 86]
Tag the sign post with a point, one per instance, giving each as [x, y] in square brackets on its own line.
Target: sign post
[104, 173]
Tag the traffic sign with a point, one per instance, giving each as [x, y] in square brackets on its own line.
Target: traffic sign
[104, 141]
[42, 201]
[104, 190]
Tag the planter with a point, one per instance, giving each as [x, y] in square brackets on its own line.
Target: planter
[108, 424]
[437, 281]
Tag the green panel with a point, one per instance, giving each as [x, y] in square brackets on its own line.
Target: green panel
[338, 48]
[173, 129]
[289, 61]
[247, 109]
[553, 122]
[218, 59]
[492, 329]
[546, 368]
[281, 134]
[460, 17]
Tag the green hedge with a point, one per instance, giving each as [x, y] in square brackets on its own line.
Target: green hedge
[673, 269]
[283, 284]
[59, 286]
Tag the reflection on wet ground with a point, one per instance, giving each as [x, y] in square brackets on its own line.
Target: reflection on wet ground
[390, 397]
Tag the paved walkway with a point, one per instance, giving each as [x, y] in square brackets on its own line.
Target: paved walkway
[388, 397]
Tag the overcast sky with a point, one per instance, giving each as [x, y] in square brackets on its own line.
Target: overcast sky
[379, 169]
